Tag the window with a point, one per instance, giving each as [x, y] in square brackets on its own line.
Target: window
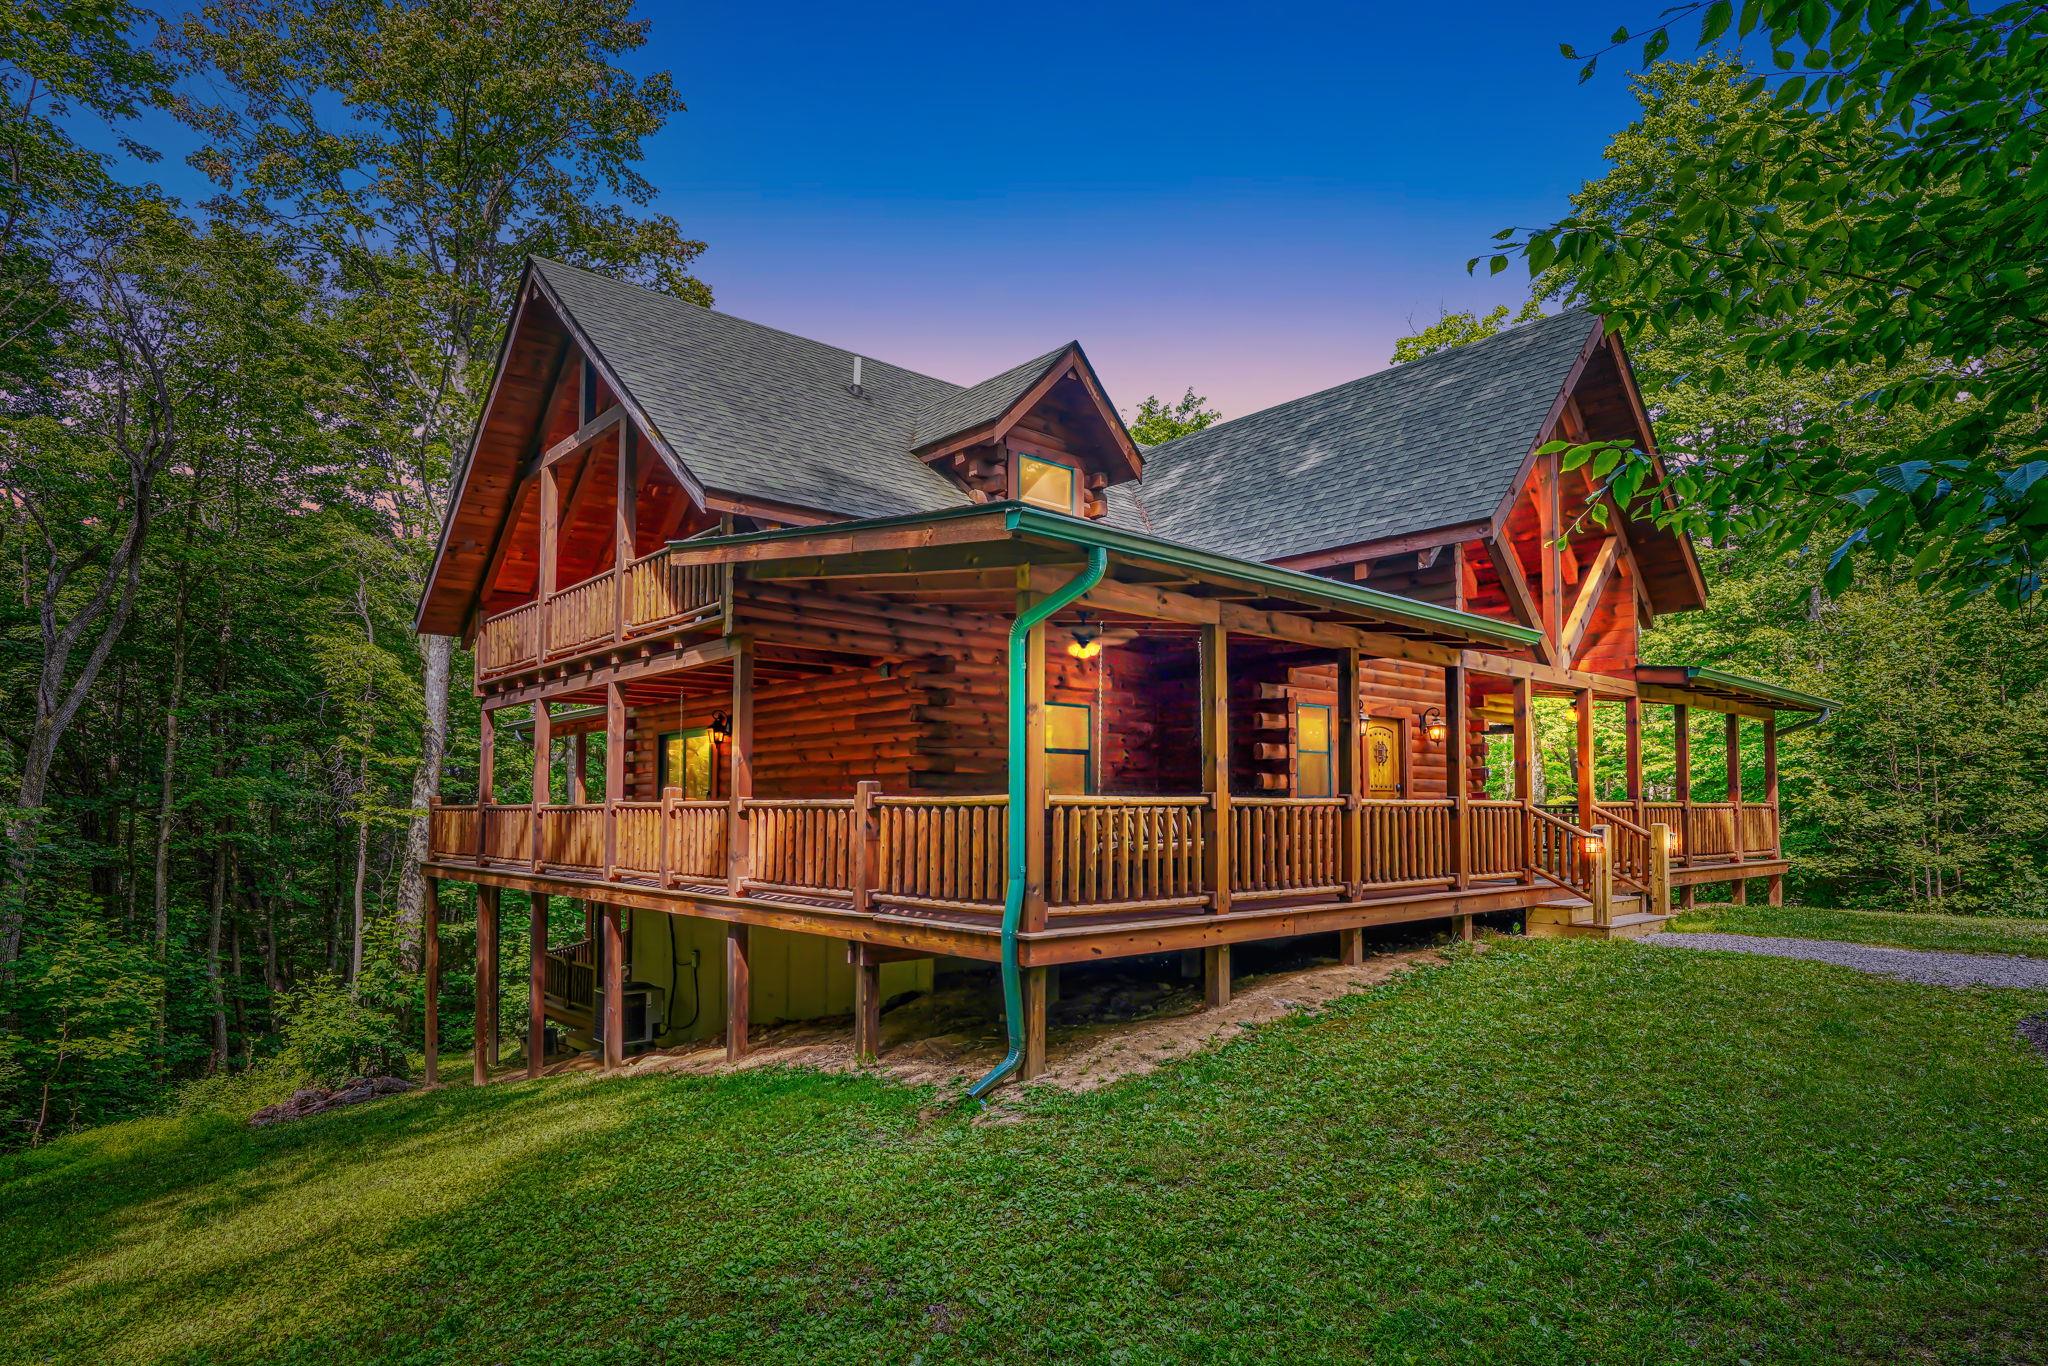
[686, 762]
[1046, 483]
[1069, 748]
[1314, 774]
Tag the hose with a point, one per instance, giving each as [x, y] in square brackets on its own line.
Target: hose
[1013, 889]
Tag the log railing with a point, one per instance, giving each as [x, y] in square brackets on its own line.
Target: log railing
[1103, 853]
[1710, 833]
[637, 841]
[570, 974]
[1406, 843]
[1574, 858]
[941, 853]
[800, 846]
[1628, 848]
[694, 840]
[508, 834]
[1287, 845]
[572, 838]
[509, 640]
[1496, 845]
[453, 831]
[582, 615]
[659, 590]
[1759, 830]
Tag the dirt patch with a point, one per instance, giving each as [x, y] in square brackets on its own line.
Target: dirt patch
[1107, 1022]
[2034, 1029]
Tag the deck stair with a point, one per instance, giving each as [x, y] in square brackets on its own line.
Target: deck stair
[1571, 917]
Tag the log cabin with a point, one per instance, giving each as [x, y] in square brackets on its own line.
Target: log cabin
[815, 670]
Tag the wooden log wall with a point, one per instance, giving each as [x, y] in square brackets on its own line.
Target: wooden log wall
[1391, 689]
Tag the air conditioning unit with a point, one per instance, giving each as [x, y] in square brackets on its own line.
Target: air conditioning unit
[643, 1015]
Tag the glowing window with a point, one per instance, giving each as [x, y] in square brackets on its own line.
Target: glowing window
[686, 762]
[1314, 773]
[1046, 483]
[1069, 748]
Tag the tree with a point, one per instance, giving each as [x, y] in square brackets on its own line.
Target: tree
[422, 149]
[1157, 422]
[1872, 203]
[1452, 330]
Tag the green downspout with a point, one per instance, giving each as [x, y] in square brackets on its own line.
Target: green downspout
[1013, 889]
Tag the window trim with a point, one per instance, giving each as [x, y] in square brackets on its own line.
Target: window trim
[1328, 751]
[1087, 755]
[661, 773]
[1073, 480]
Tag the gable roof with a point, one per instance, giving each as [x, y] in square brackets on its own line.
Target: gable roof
[749, 409]
[980, 404]
[1436, 442]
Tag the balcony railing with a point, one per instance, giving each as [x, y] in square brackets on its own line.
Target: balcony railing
[1103, 854]
[658, 592]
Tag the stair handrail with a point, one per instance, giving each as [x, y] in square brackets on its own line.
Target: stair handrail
[1575, 858]
[1635, 872]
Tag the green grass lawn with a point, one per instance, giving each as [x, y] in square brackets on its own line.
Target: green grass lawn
[1958, 933]
[1547, 1152]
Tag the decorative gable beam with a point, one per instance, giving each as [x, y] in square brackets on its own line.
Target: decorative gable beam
[1590, 587]
[1507, 567]
[584, 435]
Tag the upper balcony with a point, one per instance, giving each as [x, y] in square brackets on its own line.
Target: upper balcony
[655, 595]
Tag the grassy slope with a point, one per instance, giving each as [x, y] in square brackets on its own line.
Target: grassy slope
[1958, 933]
[1550, 1152]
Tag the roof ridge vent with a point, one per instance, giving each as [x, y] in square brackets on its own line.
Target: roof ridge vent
[855, 387]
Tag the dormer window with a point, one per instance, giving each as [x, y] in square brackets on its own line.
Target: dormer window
[1047, 483]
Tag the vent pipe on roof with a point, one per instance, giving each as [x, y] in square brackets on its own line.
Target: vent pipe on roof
[854, 388]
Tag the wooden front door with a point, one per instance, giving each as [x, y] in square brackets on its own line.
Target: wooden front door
[1383, 766]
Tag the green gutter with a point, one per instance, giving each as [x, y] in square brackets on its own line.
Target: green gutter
[1013, 886]
[1045, 524]
[1720, 678]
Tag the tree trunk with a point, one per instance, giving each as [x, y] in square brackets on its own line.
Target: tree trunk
[435, 653]
[167, 790]
[355, 958]
[216, 906]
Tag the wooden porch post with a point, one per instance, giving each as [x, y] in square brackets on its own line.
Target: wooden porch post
[1585, 758]
[543, 759]
[738, 986]
[486, 1047]
[431, 969]
[625, 520]
[579, 768]
[536, 1002]
[1681, 720]
[1458, 776]
[615, 775]
[866, 855]
[1525, 770]
[614, 985]
[867, 1001]
[1216, 850]
[1775, 884]
[550, 547]
[1036, 994]
[1740, 890]
[486, 779]
[1632, 712]
[740, 780]
[1351, 776]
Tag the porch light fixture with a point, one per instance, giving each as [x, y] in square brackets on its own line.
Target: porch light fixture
[721, 726]
[1087, 642]
[1433, 726]
[1594, 845]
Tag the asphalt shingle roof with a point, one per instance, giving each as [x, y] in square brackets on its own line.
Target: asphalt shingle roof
[749, 409]
[1431, 443]
[981, 403]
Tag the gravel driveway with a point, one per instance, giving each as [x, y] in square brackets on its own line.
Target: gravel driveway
[1914, 965]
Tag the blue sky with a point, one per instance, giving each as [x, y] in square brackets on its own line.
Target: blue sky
[1253, 202]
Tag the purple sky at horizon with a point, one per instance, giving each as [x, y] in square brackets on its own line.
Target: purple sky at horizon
[1257, 208]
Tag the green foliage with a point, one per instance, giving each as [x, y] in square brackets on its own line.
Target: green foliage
[1157, 422]
[1484, 1161]
[330, 1036]
[1871, 204]
[81, 1048]
[1452, 330]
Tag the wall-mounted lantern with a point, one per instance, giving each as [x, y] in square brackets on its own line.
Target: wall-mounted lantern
[1433, 727]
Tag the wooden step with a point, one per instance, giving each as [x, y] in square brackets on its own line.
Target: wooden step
[1572, 918]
